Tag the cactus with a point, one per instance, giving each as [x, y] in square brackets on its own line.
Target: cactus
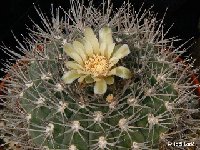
[98, 80]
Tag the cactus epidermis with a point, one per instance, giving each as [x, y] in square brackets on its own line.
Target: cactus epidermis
[43, 112]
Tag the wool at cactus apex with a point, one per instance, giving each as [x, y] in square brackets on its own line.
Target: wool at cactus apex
[14, 14]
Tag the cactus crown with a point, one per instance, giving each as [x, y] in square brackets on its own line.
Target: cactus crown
[123, 90]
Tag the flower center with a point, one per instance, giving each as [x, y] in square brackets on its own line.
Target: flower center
[97, 65]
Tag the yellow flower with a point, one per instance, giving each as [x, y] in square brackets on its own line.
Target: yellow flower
[94, 60]
[110, 98]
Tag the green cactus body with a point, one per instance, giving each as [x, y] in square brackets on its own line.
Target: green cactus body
[139, 117]
[140, 112]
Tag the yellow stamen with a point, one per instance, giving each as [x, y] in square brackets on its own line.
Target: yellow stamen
[97, 65]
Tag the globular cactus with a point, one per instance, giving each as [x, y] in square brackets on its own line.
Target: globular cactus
[98, 80]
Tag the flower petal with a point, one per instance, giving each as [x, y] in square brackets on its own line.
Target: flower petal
[102, 48]
[109, 80]
[77, 58]
[121, 72]
[88, 47]
[81, 79]
[89, 79]
[91, 37]
[80, 49]
[100, 87]
[68, 48]
[83, 72]
[105, 36]
[70, 76]
[73, 65]
[121, 52]
[112, 62]
[96, 78]
[110, 49]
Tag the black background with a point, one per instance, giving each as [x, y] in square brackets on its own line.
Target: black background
[14, 15]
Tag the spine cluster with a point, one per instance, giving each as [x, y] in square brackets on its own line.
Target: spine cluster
[154, 106]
